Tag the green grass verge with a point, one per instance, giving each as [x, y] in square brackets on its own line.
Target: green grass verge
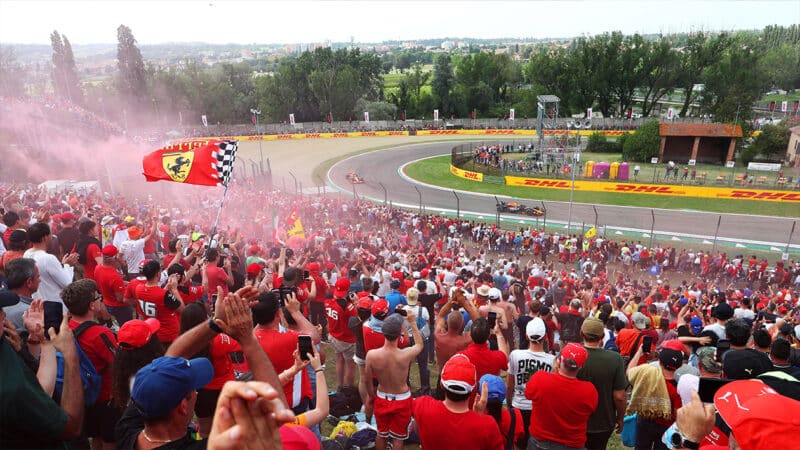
[437, 171]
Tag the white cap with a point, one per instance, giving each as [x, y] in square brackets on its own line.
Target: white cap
[535, 330]
[495, 293]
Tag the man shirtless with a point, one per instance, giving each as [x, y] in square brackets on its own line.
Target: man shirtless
[449, 339]
[390, 365]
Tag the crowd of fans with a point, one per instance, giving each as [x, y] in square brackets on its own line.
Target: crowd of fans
[132, 323]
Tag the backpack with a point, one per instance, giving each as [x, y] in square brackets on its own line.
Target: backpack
[611, 343]
[92, 380]
[422, 324]
[345, 402]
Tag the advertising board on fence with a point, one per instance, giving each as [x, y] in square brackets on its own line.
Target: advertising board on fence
[474, 176]
[763, 166]
[658, 189]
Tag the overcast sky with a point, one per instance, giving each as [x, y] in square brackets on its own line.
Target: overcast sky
[246, 22]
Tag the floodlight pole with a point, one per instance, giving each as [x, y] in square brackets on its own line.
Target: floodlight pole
[256, 113]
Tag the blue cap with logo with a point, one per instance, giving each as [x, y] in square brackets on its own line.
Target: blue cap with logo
[495, 385]
[161, 385]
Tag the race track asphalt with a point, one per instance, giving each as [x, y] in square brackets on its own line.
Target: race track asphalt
[381, 167]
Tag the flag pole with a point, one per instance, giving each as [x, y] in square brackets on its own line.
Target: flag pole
[219, 212]
[227, 165]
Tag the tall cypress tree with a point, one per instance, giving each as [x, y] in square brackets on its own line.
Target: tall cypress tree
[131, 80]
[64, 74]
[71, 81]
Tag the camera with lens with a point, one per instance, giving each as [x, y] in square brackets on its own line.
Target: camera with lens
[283, 292]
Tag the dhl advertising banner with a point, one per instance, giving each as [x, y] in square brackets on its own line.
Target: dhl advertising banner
[658, 189]
[474, 176]
[292, 136]
[517, 132]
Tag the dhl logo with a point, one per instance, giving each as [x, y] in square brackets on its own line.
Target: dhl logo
[283, 136]
[471, 175]
[546, 183]
[397, 133]
[765, 195]
[444, 132]
[338, 135]
[368, 133]
[499, 132]
[313, 135]
[642, 189]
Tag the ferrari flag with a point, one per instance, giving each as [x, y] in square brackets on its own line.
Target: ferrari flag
[207, 162]
[590, 233]
[294, 227]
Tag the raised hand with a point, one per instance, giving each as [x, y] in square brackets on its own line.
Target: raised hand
[33, 319]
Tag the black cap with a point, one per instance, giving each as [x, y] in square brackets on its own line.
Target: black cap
[723, 311]
[8, 298]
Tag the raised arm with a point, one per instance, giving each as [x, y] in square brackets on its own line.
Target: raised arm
[72, 394]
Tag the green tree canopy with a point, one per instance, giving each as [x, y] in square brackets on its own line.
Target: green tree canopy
[643, 144]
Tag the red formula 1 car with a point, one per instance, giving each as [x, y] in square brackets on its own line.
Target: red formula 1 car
[354, 178]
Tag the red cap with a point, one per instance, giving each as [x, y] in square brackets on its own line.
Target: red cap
[341, 288]
[674, 344]
[298, 438]
[254, 268]
[136, 333]
[458, 375]
[330, 266]
[380, 307]
[424, 273]
[574, 355]
[67, 216]
[365, 302]
[253, 250]
[750, 408]
[109, 251]
[313, 267]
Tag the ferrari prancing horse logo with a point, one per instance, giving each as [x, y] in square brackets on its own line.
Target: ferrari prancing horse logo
[177, 165]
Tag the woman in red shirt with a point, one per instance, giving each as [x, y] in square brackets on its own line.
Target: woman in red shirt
[494, 408]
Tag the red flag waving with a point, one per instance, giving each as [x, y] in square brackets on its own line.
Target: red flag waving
[203, 161]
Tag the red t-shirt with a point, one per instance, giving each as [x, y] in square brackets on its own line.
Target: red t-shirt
[441, 428]
[98, 352]
[168, 261]
[92, 252]
[486, 361]
[505, 424]
[149, 245]
[322, 288]
[110, 283]
[338, 319]
[190, 294]
[566, 402]
[373, 339]
[153, 301]
[220, 349]
[130, 289]
[216, 277]
[280, 347]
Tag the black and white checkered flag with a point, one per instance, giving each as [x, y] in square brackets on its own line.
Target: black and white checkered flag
[226, 157]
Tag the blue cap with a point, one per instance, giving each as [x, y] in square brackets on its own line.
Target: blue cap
[697, 325]
[683, 301]
[160, 386]
[497, 389]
